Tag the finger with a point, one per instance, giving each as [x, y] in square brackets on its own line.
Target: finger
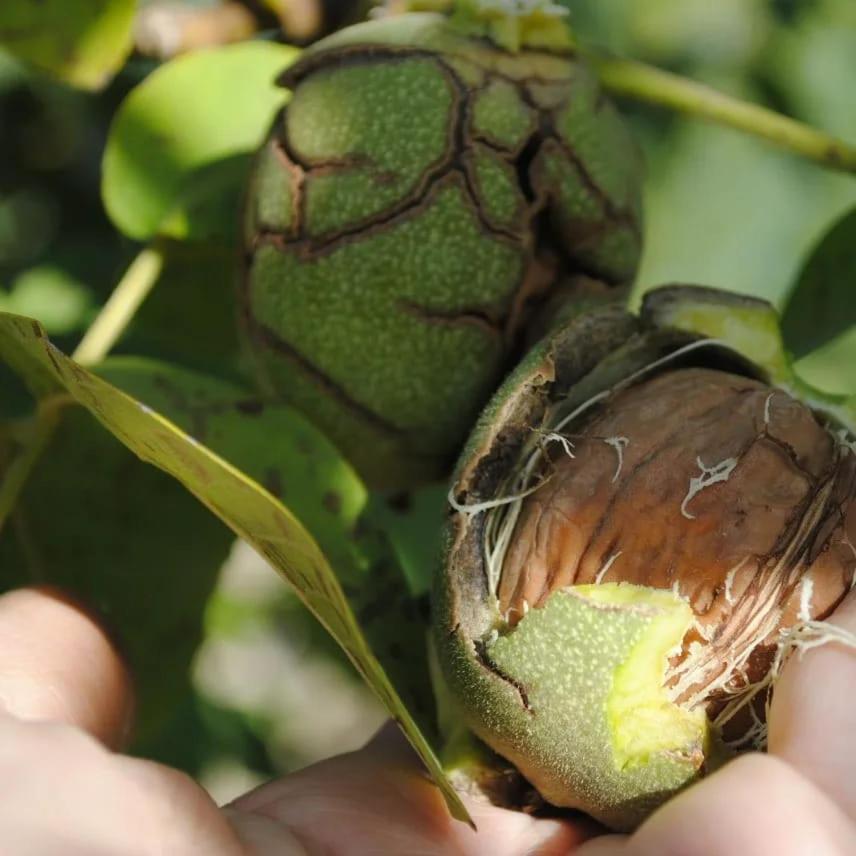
[66, 793]
[378, 800]
[57, 664]
[756, 804]
[606, 845]
[813, 717]
[499, 830]
[185, 818]
[327, 810]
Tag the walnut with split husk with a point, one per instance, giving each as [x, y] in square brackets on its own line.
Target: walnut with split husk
[652, 513]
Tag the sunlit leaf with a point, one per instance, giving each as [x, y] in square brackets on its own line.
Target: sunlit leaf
[246, 507]
[131, 542]
[304, 470]
[38, 378]
[173, 162]
[832, 367]
[210, 207]
[723, 209]
[84, 42]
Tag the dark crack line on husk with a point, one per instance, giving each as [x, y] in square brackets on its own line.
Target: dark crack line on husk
[547, 131]
[452, 168]
[271, 339]
[462, 146]
[453, 161]
[297, 173]
[484, 660]
[451, 164]
[468, 317]
[614, 213]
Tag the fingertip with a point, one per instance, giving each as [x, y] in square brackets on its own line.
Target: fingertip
[510, 831]
[812, 716]
[57, 663]
[604, 845]
[755, 804]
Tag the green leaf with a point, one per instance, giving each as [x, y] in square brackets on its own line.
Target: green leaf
[210, 207]
[128, 541]
[175, 160]
[244, 505]
[831, 366]
[821, 305]
[83, 42]
[302, 468]
[760, 212]
[51, 294]
[39, 379]
[137, 565]
[190, 314]
[413, 522]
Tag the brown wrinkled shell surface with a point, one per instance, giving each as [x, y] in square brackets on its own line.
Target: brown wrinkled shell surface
[767, 541]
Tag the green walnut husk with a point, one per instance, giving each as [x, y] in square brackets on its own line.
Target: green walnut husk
[650, 514]
[414, 205]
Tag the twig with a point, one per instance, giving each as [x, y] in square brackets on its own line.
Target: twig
[646, 83]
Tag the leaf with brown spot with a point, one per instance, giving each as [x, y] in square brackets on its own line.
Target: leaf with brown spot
[249, 510]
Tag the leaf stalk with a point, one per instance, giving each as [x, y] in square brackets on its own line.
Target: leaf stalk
[121, 306]
[99, 339]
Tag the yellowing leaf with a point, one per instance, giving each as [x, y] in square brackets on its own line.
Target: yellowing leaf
[247, 508]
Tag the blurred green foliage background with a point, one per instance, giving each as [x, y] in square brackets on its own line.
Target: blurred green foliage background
[269, 690]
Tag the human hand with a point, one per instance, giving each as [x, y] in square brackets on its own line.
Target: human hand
[66, 696]
[66, 699]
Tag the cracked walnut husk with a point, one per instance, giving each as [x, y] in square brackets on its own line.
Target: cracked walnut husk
[652, 514]
[416, 202]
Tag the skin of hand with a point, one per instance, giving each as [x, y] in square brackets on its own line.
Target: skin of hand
[66, 707]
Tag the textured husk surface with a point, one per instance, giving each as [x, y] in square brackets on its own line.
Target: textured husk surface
[419, 198]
